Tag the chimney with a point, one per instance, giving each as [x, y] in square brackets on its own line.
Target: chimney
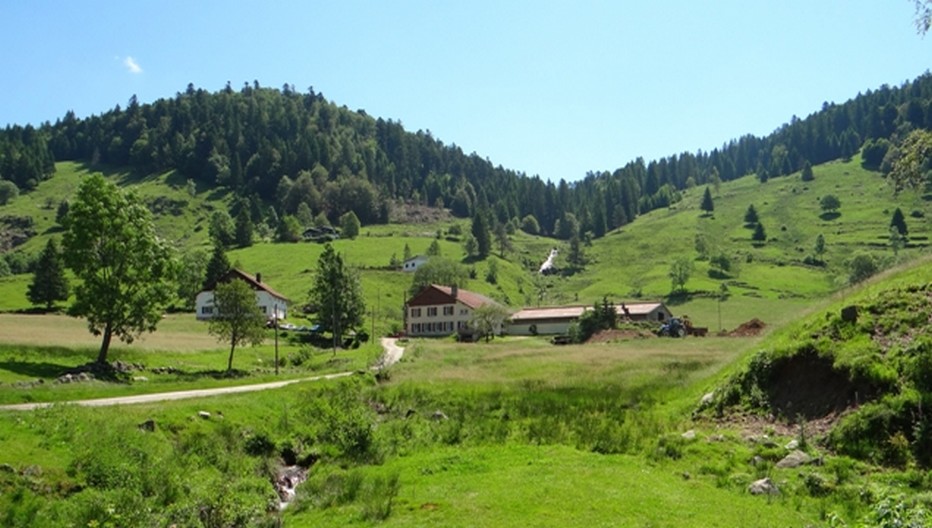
[258, 277]
[454, 290]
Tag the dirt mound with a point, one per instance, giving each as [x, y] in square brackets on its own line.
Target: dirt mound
[607, 336]
[749, 329]
[808, 385]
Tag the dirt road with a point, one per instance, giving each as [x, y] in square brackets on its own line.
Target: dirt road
[391, 356]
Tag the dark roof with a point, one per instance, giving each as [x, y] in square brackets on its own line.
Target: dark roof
[434, 294]
[253, 281]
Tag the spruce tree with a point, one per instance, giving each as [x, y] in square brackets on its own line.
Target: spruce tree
[480, 230]
[707, 204]
[759, 234]
[244, 228]
[750, 217]
[49, 283]
[218, 266]
[899, 222]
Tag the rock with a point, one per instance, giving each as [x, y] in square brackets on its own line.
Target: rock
[849, 314]
[140, 378]
[757, 460]
[707, 399]
[717, 438]
[792, 444]
[689, 435]
[795, 459]
[438, 415]
[764, 486]
[148, 425]
[204, 414]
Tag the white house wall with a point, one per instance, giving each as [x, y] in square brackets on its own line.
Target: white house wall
[270, 305]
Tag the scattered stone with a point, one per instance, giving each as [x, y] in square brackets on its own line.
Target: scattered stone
[140, 378]
[164, 370]
[795, 459]
[792, 444]
[204, 414]
[717, 438]
[438, 415]
[757, 460]
[764, 486]
[849, 314]
[286, 480]
[689, 435]
[707, 399]
[148, 425]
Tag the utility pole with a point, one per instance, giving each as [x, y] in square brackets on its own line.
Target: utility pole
[276, 338]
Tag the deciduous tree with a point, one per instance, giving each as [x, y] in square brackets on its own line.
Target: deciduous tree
[126, 274]
[237, 318]
[349, 225]
[680, 271]
[487, 319]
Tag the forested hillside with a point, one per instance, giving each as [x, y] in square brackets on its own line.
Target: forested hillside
[279, 148]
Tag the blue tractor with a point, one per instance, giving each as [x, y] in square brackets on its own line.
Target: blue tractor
[673, 328]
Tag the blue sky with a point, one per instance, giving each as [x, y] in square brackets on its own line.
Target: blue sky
[554, 88]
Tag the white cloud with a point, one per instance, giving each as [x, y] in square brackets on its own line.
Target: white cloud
[132, 65]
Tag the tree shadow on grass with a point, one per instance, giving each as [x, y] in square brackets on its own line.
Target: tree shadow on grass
[829, 215]
[34, 369]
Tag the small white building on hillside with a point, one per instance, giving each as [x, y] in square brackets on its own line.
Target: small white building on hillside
[412, 264]
[273, 304]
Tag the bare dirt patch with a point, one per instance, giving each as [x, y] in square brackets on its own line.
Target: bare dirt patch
[749, 329]
[608, 336]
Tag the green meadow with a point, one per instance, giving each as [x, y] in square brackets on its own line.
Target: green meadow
[513, 432]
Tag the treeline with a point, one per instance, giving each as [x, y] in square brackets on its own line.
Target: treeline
[279, 149]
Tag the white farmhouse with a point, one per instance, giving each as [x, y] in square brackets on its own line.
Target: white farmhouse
[441, 311]
[273, 304]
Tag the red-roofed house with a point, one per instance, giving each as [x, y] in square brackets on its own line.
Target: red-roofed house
[272, 303]
[442, 310]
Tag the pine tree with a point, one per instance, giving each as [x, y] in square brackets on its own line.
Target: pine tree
[899, 222]
[244, 228]
[480, 230]
[759, 234]
[49, 283]
[707, 204]
[218, 266]
[750, 217]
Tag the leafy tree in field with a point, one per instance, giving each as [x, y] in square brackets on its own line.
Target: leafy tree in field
[191, 271]
[488, 318]
[304, 215]
[861, 267]
[289, 229]
[873, 153]
[480, 230]
[337, 293]
[897, 241]
[49, 283]
[237, 318]
[126, 274]
[530, 225]
[221, 228]
[349, 225]
[244, 228]
[829, 203]
[439, 271]
[8, 192]
[807, 175]
[750, 216]
[680, 271]
[759, 235]
[217, 267]
[899, 222]
[491, 275]
[721, 262]
[819, 248]
[575, 257]
[702, 246]
[707, 205]
[913, 166]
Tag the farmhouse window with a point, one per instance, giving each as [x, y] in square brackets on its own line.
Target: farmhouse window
[415, 312]
[206, 310]
[447, 310]
[432, 311]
